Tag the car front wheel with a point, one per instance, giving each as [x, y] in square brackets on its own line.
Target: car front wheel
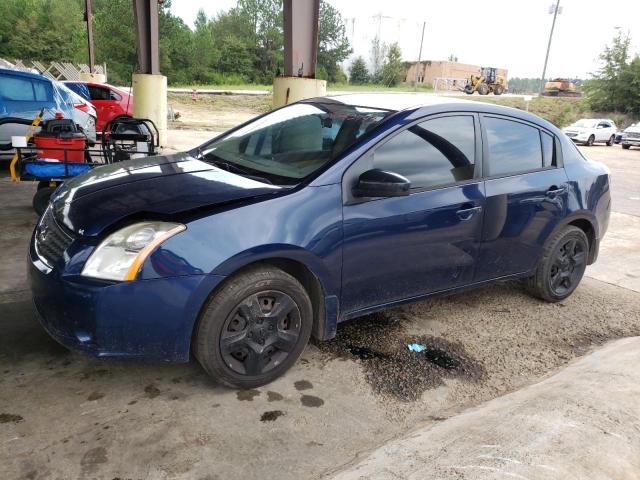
[255, 328]
[561, 266]
[590, 141]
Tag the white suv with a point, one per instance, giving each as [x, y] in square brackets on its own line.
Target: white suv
[590, 130]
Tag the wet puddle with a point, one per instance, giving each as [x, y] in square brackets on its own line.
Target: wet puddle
[380, 342]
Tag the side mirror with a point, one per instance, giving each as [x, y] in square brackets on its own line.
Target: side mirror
[380, 183]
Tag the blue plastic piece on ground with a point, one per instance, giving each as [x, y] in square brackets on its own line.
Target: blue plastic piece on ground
[46, 170]
[417, 347]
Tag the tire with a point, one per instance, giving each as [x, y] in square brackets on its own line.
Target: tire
[468, 89]
[611, 140]
[41, 199]
[590, 141]
[561, 265]
[483, 89]
[240, 316]
[626, 147]
[498, 90]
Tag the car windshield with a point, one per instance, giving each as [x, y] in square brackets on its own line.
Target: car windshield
[585, 124]
[289, 144]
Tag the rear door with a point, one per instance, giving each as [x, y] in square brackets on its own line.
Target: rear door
[403, 247]
[526, 192]
[106, 108]
[604, 130]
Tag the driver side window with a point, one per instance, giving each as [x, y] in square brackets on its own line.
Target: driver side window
[433, 153]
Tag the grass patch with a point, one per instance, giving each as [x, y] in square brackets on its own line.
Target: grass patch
[228, 103]
[243, 86]
[346, 87]
[561, 111]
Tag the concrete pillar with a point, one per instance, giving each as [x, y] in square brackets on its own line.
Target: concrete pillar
[93, 77]
[150, 101]
[291, 89]
[301, 19]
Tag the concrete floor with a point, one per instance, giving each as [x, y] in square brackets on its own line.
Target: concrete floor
[63, 415]
[533, 433]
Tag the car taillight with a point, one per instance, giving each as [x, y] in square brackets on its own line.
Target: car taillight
[82, 106]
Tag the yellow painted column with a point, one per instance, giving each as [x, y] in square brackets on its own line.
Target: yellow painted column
[150, 101]
[291, 89]
[93, 77]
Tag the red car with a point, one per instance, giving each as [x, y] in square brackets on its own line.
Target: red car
[110, 102]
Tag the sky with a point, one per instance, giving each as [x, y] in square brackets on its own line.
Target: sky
[506, 34]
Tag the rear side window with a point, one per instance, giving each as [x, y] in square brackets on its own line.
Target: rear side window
[433, 153]
[513, 147]
[548, 150]
[24, 89]
[99, 93]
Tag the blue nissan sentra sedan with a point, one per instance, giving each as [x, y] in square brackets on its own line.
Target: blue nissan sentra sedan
[315, 213]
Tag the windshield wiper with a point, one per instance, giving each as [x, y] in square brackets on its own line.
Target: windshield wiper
[233, 168]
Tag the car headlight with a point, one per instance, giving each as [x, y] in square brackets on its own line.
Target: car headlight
[121, 254]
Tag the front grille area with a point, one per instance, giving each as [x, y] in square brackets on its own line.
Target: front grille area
[632, 135]
[51, 240]
[571, 134]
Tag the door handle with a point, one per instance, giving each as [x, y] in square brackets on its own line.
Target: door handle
[555, 191]
[467, 212]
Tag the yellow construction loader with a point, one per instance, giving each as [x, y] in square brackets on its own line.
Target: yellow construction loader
[487, 82]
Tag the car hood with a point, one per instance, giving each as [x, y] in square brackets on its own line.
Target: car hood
[577, 129]
[153, 186]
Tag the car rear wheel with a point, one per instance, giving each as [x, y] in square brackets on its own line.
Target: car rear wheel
[611, 140]
[562, 265]
[591, 140]
[254, 329]
[626, 147]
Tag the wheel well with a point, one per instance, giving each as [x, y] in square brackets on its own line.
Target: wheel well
[301, 273]
[310, 283]
[587, 227]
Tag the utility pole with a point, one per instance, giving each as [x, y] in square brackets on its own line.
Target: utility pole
[415, 85]
[556, 11]
[88, 16]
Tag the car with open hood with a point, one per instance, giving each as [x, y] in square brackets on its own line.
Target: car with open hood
[631, 136]
[327, 209]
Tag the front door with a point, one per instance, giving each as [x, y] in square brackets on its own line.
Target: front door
[403, 247]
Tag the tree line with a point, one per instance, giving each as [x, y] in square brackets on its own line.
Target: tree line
[242, 45]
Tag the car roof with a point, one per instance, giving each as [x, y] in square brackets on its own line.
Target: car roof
[430, 103]
[392, 101]
[22, 73]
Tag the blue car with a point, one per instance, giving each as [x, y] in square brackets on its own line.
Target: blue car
[324, 210]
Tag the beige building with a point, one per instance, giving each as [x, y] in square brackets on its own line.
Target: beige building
[447, 75]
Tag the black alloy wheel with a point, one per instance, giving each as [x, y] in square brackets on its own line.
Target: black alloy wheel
[260, 332]
[568, 266]
[254, 327]
[561, 266]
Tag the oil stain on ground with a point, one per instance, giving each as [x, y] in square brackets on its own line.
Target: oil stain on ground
[151, 391]
[303, 385]
[274, 396]
[271, 415]
[380, 342]
[247, 395]
[10, 418]
[311, 401]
